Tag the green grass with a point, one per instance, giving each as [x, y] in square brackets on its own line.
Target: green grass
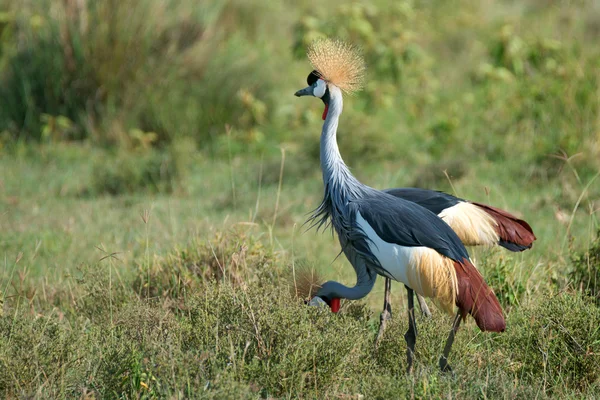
[148, 243]
[198, 294]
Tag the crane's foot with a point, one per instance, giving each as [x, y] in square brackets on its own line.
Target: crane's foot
[423, 306]
[410, 356]
[411, 339]
[411, 334]
[445, 367]
[385, 316]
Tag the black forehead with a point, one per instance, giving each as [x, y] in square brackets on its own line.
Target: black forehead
[312, 78]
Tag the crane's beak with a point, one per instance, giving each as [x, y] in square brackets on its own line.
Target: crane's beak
[334, 304]
[307, 91]
[317, 301]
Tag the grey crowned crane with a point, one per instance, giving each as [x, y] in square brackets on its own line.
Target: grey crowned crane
[476, 224]
[382, 234]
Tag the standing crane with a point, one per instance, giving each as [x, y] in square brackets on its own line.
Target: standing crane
[382, 234]
[476, 224]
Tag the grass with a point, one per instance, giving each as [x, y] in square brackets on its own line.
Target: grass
[187, 293]
[150, 218]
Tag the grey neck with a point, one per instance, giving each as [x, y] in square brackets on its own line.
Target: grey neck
[341, 187]
[336, 174]
[333, 289]
[365, 280]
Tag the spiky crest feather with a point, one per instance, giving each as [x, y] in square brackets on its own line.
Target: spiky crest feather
[338, 63]
[307, 281]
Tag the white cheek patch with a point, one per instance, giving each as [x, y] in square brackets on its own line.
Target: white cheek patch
[320, 89]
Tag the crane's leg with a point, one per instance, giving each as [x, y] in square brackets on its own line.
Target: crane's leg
[423, 306]
[411, 334]
[444, 366]
[386, 314]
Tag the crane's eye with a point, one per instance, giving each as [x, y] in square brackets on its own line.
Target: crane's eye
[320, 88]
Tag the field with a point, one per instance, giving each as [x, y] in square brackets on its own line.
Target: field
[156, 173]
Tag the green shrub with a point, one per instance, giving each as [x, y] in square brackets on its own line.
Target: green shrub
[237, 258]
[585, 269]
[173, 68]
[254, 340]
[283, 347]
[550, 86]
[385, 34]
[101, 292]
[555, 341]
[501, 274]
[29, 346]
[151, 171]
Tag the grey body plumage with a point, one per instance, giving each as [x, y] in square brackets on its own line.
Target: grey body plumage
[432, 200]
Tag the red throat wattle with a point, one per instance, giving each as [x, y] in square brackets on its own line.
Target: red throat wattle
[325, 116]
[335, 302]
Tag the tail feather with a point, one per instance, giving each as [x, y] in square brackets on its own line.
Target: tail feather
[475, 297]
[514, 233]
[514, 247]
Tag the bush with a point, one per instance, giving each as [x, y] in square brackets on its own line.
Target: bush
[556, 341]
[585, 269]
[502, 276]
[236, 258]
[151, 171]
[282, 347]
[255, 339]
[28, 346]
[173, 68]
[101, 292]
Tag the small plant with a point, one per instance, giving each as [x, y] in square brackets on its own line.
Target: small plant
[556, 340]
[235, 257]
[101, 292]
[585, 269]
[56, 128]
[501, 275]
[149, 171]
[280, 345]
[520, 56]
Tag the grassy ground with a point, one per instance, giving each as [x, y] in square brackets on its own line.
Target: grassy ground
[148, 249]
[217, 317]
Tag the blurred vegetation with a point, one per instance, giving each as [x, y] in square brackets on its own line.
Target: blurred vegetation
[157, 170]
[116, 67]
[121, 72]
